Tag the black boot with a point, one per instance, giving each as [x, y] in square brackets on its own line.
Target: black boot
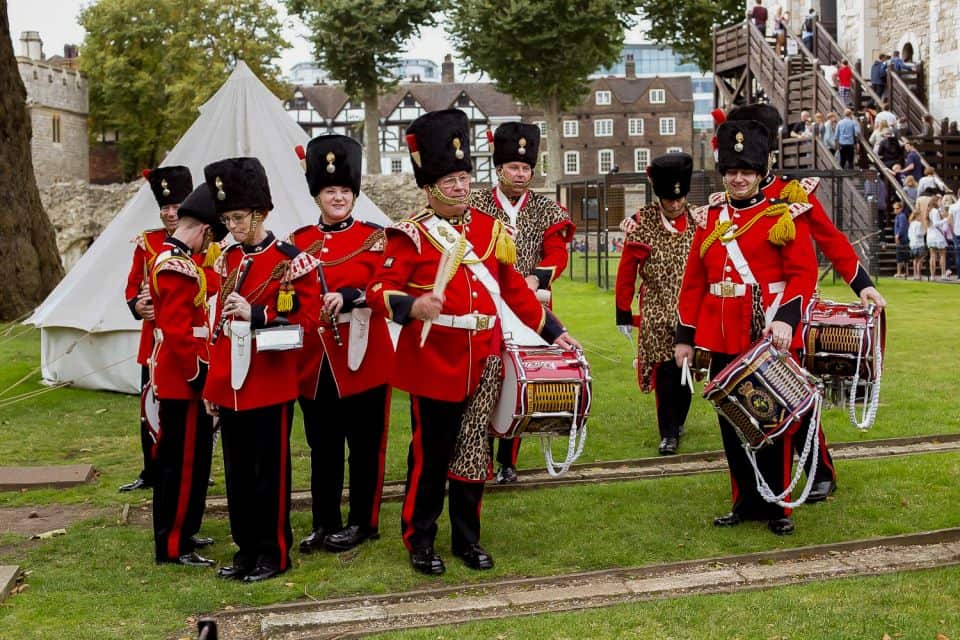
[348, 538]
[427, 561]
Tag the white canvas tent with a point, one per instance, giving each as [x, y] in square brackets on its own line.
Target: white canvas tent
[88, 336]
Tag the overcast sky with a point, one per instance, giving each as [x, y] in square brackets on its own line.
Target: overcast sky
[56, 20]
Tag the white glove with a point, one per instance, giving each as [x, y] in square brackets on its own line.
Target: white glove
[626, 330]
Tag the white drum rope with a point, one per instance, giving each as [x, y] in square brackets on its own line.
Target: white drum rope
[869, 414]
[811, 445]
[575, 443]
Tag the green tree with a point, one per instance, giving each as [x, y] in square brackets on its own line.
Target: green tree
[540, 51]
[686, 26]
[152, 64]
[359, 42]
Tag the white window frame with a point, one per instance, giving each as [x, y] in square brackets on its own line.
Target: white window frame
[542, 125]
[639, 167]
[603, 98]
[668, 126]
[543, 163]
[674, 149]
[600, 155]
[658, 96]
[603, 127]
[394, 164]
[567, 157]
[571, 128]
[635, 127]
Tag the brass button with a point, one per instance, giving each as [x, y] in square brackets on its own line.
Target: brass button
[328, 236]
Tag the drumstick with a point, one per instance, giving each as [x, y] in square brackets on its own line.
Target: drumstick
[685, 377]
[446, 267]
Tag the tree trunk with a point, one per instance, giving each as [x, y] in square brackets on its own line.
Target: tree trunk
[551, 112]
[371, 131]
[29, 262]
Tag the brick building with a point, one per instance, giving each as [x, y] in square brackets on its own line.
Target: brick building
[623, 121]
[57, 101]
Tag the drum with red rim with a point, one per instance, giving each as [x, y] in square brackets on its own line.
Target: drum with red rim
[545, 390]
[843, 339]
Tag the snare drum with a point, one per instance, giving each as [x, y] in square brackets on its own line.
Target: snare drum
[761, 393]
[843, 339]
[545, 390]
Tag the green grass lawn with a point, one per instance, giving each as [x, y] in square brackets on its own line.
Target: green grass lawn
[101, 573]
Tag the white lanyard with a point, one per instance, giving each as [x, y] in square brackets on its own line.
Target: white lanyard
[512, 210]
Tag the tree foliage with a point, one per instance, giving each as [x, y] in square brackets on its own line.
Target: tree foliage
[686, 26]
[152, 64]
[359, 42]
[540, 51]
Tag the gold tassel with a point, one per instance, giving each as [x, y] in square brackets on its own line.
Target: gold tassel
[285, 299]
[793, 191]
[506, 249]
[783, 231]
[213, 252]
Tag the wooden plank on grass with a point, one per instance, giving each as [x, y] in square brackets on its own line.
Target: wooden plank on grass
[56, 476]
[8, 580]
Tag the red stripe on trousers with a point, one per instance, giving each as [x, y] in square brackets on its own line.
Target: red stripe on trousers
[186, 475]
[381, 463]
[409, 500]
[282, 494]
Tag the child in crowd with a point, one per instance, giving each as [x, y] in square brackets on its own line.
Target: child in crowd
[916, 236]
[900, 237]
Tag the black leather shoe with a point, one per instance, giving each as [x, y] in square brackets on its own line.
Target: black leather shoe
[475, 557]
[313, 542]
[192, 559]
[232, 572]
[781, 526]
[201, 541]
[139, 483]
[348, 538]
[821, 491]
[263, 572]
[427, 561]
[727, 520]
[506, 475]
[668, 446]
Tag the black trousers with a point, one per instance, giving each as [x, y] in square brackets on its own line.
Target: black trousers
[147, 442]
[774, 462]
[826, 472]
[182, 468]
[673, 399]
[256, 459]
[435, 425]
[507, 451]
[847, 156]
[361, 423]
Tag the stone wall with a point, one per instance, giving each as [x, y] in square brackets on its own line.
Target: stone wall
[61, 161]
[79, 212]
[396, 194]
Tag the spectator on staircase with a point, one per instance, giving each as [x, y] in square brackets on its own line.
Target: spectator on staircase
[809, 24]
[799, 129]
[897, 64]
[758, 16]
[830, 131]
[879, 131]
[952, 130]
[913, 162]
[887, 116]
[929, 128]
[936, 236]
[889, 149]
[954, 213]
[900, 238]
[843, 80]
[931, 183]
[910, 186]
[781, 22]
[848, 130]
[878, 75]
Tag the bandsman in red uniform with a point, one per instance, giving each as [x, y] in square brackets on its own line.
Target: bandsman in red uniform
[170, 186]
[178, 369]
[439, 364]
[345, 365]
[751, 271]
[269, 298]
[656, 251]
[835, 245]
[542, 229]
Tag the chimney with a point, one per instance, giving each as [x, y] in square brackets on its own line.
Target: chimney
[630, 66]
[446, 69]
[70, 51]
[31, 46]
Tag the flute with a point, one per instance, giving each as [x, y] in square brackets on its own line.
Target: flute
[242, 272]
[333, 321]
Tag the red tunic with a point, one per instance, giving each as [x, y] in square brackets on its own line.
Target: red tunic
[273, 375]
[148, 246]
[449, 365]
[349, 251]
[831, 241]
[181, 355]
[722, 324]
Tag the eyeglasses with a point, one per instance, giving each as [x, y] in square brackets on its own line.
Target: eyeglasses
[235, 219]
[454, 181]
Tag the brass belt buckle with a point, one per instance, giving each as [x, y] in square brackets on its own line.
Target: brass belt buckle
[483, 322]
[727, 289]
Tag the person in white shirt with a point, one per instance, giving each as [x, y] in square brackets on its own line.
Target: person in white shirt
[936, 238]
[953, 210]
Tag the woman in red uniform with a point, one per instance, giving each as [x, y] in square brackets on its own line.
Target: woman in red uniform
[751, 271]
[344, 364]
[269, 287]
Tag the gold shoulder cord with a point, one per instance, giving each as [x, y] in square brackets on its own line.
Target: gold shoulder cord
[201, 298]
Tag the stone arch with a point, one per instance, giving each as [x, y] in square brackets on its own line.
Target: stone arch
[909, 47]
